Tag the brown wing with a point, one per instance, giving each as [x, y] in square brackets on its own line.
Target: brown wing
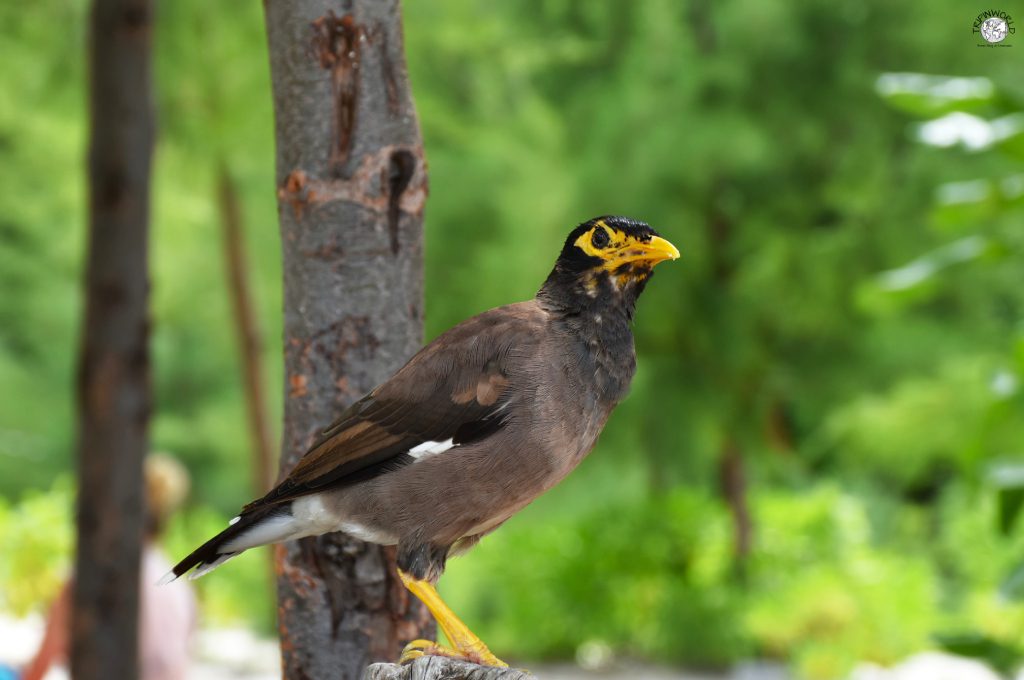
[457, 388]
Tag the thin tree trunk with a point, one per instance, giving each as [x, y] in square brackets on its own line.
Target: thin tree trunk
[113, 371]
[731, 464]
[351, 187]
[733, 480]
[250, 340]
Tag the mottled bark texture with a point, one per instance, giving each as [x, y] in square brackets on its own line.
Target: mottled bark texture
[351, 187]
[440, 668]
[113, 371]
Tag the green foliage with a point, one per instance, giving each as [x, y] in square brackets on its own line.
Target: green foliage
[38, 536]
[933, 421]
[631, 575]
[831, 581]
[1000, 656]
[1007, 477]
[988, 210]
[846, 314]
[37, 541]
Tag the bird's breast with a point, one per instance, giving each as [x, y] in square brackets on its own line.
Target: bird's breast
[584, 380]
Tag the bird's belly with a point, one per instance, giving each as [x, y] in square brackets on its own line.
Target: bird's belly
[493, 523]
[318, 516]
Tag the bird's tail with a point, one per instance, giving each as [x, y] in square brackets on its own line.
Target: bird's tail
[259, 526]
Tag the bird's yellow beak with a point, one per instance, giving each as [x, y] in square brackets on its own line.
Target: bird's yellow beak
[658, 250]
[648, 252]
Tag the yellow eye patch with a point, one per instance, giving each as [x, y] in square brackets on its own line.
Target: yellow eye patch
[623, 248]
[616, 240]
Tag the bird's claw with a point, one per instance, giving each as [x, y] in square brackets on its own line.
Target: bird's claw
[418, 648]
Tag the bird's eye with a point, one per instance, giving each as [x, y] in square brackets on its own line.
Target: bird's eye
[600, 238]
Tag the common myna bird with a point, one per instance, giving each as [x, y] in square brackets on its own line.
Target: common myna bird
[479, 423]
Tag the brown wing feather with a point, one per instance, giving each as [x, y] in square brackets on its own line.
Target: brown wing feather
[454, 388]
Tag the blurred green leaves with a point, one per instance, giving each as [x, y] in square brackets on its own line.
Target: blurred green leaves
[38, 537]
[847, 312]
[1007, 478]
[1000, 656]
[832, 580]
[926, 96]
[988, 209]
[919, 279]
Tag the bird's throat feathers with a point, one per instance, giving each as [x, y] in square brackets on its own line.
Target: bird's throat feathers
[596, 302]
[596, 308]
[609, 295]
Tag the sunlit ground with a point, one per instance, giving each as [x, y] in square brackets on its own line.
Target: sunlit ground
[236, 654]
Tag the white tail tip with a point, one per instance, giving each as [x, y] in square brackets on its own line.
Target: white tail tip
[167, 578]
[204, 569]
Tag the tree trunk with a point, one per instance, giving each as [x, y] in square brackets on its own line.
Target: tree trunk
[351, 188]
[250, 340]
[113, 371]
[733, 482]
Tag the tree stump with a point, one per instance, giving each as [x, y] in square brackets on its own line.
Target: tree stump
[441, 668]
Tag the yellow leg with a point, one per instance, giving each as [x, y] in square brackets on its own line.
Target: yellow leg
[467, 645]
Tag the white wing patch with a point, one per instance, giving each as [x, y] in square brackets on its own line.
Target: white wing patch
[427, 449]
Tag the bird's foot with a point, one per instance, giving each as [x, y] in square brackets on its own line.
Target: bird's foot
[477, 653]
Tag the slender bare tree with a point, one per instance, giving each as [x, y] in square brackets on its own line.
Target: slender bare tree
[250, 338]
[351, 187]
[113, 370]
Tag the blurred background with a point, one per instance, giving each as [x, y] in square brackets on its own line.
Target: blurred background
[822, 459]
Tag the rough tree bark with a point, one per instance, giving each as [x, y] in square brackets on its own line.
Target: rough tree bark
[440, 668]
[351, 187]
[113, 371]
